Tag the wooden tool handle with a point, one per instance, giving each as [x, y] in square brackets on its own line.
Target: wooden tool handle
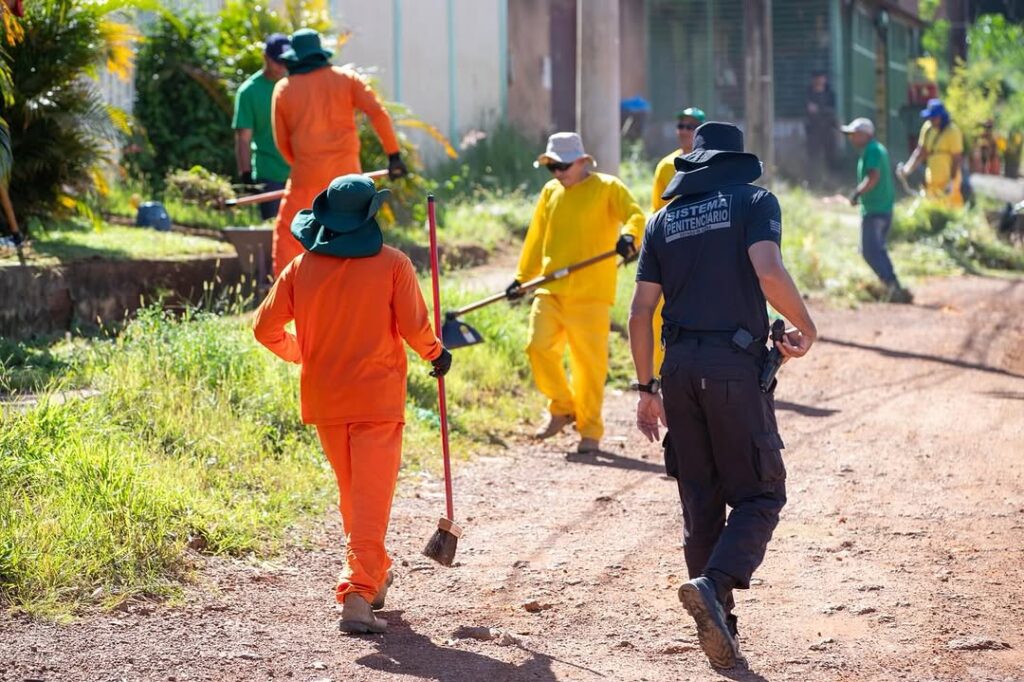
[264, 197]
[534, 283]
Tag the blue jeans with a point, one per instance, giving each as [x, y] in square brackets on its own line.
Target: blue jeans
[874, 228]
[269, 209]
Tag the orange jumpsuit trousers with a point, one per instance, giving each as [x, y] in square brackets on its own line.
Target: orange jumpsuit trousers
[351, 318]
[315, 131]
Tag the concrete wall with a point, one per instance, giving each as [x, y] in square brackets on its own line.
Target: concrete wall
[49, 300]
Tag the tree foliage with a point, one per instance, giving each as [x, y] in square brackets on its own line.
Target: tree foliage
[244, 24]
[182, 106]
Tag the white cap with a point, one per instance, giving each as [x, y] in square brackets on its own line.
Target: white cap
[563, 148]
[859, 125]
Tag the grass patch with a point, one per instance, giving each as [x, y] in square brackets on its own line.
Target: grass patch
[75, 240]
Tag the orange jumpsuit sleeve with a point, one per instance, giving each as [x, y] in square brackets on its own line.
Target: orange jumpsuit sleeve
[279, 124]
[277, 310]
[366, 101]
[410, 311]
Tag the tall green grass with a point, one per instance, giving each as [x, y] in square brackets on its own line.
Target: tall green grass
[194, 438]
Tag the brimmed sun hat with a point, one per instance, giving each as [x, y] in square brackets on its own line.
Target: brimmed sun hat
[341, 222]
[563, 148]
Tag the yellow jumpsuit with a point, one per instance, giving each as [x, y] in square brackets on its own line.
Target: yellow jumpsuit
[570, 225]
[941, 145]
[663, 174]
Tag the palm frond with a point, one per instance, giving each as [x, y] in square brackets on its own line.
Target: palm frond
[6, 157]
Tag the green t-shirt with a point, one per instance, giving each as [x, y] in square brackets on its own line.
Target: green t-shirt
[878, 199]
[252, 111]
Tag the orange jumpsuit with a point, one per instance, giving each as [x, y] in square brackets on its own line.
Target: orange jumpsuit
[351, 315]
[315, 131]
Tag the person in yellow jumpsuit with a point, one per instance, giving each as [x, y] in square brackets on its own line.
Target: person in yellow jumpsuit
[354, 301]
[580, 213]
[688, 120]
[940, 146]
[313, 118]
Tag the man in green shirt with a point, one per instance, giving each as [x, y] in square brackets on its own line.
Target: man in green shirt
[255, 152]
[875, 193]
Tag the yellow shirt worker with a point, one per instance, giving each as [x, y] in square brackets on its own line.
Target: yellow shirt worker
[689, 119]
[580, 213]
[940, 145]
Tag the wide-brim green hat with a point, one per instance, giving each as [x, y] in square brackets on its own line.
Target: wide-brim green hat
[342, 221]
[305, 46]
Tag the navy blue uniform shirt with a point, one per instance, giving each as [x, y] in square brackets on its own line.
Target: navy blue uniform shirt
[696, 249]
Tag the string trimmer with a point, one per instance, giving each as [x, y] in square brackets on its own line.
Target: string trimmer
[264, 197]
[457, 334]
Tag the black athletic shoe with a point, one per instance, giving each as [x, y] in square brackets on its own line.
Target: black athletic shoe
[701, 602]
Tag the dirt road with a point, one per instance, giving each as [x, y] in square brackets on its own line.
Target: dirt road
[899, 555]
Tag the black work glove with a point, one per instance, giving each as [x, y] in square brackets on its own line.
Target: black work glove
[514, 291]
[442, 363]
[17, 238]
[247, 178]
[396, 167]
[626, 246]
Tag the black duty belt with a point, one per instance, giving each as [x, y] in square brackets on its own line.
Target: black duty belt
[740, 339]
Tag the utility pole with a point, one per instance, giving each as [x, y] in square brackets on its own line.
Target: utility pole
[760, 82]
[958, 11]
[597, 81]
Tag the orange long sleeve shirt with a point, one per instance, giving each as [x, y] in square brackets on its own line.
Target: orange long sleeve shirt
[315, 126]
[351, 315]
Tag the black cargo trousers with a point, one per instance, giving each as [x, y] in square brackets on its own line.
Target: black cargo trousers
[723, 448]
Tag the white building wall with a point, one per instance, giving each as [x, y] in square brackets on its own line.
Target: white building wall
[445, 66]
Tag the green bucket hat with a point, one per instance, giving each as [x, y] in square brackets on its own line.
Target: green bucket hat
[341, 222]
[305, 49]
[692, 112]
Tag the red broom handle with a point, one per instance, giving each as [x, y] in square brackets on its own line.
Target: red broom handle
[441, 403]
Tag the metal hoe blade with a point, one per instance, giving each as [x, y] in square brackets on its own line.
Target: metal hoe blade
[457, 334]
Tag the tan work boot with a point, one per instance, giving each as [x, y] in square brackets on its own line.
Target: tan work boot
[555, 424]
[378, 602]
[357, 617]
[588, 445]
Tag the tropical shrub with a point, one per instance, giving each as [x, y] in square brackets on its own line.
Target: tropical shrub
[61, 131]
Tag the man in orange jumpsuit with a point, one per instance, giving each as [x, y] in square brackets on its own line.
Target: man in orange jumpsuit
[353, 301]
[315, 131]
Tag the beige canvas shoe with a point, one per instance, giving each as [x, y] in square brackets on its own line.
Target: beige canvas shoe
[588, 445]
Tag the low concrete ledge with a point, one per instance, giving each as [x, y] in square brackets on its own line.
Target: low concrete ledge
[40, 300]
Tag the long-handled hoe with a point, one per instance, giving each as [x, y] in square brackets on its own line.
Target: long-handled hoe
[442, 544]
[457, 334]
[264, 197]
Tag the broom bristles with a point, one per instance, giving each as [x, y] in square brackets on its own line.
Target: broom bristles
[443, 543]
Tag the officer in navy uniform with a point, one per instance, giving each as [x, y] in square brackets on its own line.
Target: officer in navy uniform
[714, 253]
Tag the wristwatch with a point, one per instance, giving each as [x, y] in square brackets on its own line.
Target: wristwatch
[652, 386]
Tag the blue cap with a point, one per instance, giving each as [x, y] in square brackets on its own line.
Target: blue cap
[276, 44]
[935, 108]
